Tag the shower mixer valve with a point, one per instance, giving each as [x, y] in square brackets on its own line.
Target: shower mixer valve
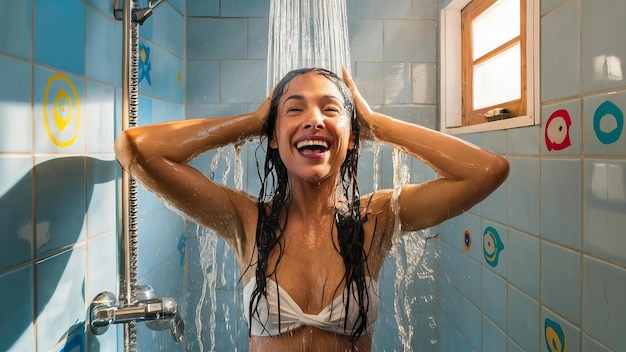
[160, 313]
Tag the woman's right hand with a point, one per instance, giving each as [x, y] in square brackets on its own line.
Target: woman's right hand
[364, 112]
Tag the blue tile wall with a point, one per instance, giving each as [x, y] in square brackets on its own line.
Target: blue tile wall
[60, 109]
[560, 212]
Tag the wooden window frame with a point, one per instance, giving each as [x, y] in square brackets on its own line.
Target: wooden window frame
[451, 72]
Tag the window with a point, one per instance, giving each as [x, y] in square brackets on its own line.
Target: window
[489, 65]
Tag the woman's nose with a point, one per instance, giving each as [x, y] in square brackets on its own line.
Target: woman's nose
[315, 121]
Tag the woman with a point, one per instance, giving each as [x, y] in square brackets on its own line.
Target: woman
[310, 248]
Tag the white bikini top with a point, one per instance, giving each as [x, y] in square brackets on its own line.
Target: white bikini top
[331, 318]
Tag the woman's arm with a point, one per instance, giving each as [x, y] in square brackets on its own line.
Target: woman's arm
[468, 174]
[157, 155]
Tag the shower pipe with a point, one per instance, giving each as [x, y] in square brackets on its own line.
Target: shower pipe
[136, 303]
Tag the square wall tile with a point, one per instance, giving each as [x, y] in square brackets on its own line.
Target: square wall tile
[367, 76]
[471, 279]
[604, 209]
[16, 302]
[524, 194]
[410, 40]
[102, 273]
[166, 72]
[101, 194]
[524, 262]
[245, 8]
[496, 141]
[257, 38]
[603, 119]
[590, 344]
[424, 81]
[99, 118]
[494, 301]
[423, 115]
[103, 48]
[216, 38]
[604, 312]
[242, 82]
[524, 141]
[560, 53]
[397, 83]
[523, 317]
[168, 30]
[494, 207]
[555, 331]
[470, 237]
[602, 45]
[561, 128]
[561, 201]
[17, 210]
[366, 40]
[495, 247]
[378, 9]
[560, 280]
[60, 301]
[59, 181]
[202, 8]
[472, 324]
[494, 338]
[15, 106]
[59, 109]
[16, 18]
[60, 43]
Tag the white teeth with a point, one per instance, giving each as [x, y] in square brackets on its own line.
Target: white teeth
[312, 143]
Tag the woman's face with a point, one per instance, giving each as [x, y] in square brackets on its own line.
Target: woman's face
[312, 130]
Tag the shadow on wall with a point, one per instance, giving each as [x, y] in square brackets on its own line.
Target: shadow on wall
[63, 188]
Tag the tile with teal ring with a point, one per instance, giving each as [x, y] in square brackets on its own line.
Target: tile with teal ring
[494, 240]
[560, 280]
[561, 130]
[59, 112]
[557, 334]
[523, 314]
[603, 120]
[103, 49]
[560, 201]
[60, 202]
[17, 210]
[16, 302]
[16, 19]
[60, 35]
[603, 291]
[524, 262]
[604, 209]
[60, 301]
[15, 106]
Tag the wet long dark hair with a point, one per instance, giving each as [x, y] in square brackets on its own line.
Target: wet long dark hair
[274, 197]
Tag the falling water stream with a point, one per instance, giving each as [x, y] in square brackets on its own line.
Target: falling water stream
[304, 33]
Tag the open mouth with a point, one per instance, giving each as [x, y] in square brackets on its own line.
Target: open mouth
[312, 146]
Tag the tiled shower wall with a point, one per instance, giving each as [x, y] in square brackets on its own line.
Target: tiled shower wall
[556, 276]
[60, 69]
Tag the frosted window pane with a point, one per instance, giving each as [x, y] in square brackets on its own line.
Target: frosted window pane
[495, 26]
[497, 80]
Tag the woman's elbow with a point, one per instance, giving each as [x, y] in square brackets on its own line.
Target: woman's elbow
[498, 171]
[123, 148]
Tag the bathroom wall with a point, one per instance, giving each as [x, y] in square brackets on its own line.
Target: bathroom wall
[60, 63]
[556, 274]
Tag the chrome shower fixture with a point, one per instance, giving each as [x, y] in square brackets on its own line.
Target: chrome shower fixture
[139, 15]
[159, 313]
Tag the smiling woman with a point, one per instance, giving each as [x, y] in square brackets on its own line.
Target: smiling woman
[310, 247]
